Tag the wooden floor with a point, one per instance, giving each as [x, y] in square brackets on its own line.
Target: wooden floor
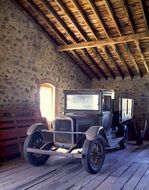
[124, 169]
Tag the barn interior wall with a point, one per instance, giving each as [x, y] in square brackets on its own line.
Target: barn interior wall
[28, 58]
[136, 88]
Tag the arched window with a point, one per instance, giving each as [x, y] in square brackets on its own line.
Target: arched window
[47, 101]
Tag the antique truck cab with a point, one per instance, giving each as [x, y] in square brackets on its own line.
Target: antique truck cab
[84, 131]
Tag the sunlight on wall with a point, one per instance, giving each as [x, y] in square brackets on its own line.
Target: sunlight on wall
[47, 101]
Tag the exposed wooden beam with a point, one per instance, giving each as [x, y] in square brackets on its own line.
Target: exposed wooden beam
[49, 24]
[95, 65]
[85, 69]
[111, 59]
[89, 68]
[103, 62]
[124, 63]
[36, 9]
[105, 29]
[98, 16]
[83, 35]
[68, 31]
[145, 14]
[88, 23]
[59, 20]
[25, 11]
[127, 13]
[47, 21]
[113, 16]
[106, 42]
[142, 56]
[72, 19]
[86, 20]
[129, 16]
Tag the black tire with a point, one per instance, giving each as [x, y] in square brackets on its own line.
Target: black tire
[35, 141]
[124, 141]
[93, 155]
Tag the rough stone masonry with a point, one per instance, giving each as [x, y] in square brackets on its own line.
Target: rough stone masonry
[28, 58]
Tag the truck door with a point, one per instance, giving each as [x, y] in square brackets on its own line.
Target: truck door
[107, 112]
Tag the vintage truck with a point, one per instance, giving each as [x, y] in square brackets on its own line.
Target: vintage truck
[84, 131]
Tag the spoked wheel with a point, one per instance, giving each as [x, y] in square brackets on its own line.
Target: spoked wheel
[35, 141]
[93, 155]
[124, 141]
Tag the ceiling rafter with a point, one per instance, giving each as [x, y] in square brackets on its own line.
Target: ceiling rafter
[49, 24]
[88, 23]
[46, 33]
[104, 27]
[128, 14]
[111, 59]
[78, 57]
[59, 20]
[81, 32]
[112, 14]
[145, 14]
[96, 54]
[105, 42]
[94, 63]
[82, 65]
[73, 38]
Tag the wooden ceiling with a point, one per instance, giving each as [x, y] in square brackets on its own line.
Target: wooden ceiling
[106, 38]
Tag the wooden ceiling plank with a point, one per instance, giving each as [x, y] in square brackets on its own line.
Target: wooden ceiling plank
[124, 63]
[82, 60]
[49, 24]
[86, 20]
[95, 65]
[44, 18]
[142, 56]
[77, 62]
[59, 20]
[45, 32]
[103, 62]
[72, 19]
[78, 8]
[128, 14]
[145, 14]
[67, 30]
[98, 16]
[116, 65]
[105, 42]
[84, 36]
[112, 14]
[105, 29]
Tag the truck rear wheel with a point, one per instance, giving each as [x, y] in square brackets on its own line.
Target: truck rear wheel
[35, 141]
[93, 155]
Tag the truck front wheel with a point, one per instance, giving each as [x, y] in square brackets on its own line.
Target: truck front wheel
[35, 141]
[93, 155]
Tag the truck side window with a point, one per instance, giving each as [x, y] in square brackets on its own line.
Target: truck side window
[107, 103]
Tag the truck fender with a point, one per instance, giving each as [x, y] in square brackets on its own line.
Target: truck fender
[36, 127]
[39, 127]
[95, 132]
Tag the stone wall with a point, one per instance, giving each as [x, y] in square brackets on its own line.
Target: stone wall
[137, 88]
[28, 58]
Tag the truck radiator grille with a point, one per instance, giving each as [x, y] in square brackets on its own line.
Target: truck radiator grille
[63, 125]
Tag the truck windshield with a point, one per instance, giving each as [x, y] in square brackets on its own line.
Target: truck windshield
[82, 102]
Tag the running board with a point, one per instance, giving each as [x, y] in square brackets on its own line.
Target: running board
[54, 153]
[113, 142]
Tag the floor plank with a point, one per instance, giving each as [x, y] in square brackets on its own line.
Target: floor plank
[126, 169]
